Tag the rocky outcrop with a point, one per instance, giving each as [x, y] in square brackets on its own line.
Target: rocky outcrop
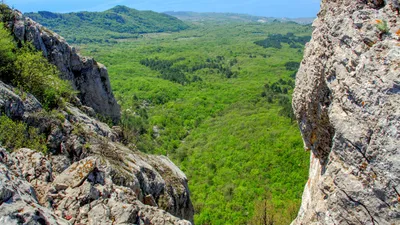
[18, 201]
[14, 106]
[347, 102]
[87, 76]
[88, 177]
[82, 194]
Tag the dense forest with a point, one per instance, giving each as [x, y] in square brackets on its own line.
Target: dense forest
[215, 98]
[119, 22]
[177, 73]
[276, 40]
[219, 106]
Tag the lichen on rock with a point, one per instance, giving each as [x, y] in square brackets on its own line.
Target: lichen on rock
[347, 103]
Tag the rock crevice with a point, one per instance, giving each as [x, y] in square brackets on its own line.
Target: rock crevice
[347, 103]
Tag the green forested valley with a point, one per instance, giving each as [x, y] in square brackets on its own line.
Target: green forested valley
[216, 99]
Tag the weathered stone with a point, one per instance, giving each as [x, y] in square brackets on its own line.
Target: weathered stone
[18, 201]
[32, 165]
[90, 124]
[14, 106]
[77, 173]
[87, 76]
[88, 176]
[347, 103]
[100, 214]
[34, 168]
[149, 200]
[59, 163]
[89, 182]
[85, 193]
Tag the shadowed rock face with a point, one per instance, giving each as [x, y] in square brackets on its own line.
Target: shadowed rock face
[347, 102]
[87, 76]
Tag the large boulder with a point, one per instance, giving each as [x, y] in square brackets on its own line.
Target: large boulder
[347, 102]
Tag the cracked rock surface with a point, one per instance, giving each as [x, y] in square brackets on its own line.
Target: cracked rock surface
[82, 194]
[87, 76]
[347, 103]
[89, 177]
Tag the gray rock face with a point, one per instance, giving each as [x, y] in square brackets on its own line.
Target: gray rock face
[84, 193]
[87, 76]
[18, 201]
[14, 106]
[89, 177]
[347, 102]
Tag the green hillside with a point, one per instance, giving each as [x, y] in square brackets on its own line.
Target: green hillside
[119, 22]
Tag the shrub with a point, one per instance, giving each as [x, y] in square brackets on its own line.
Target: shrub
[27, 69]
[276, 40]
[382, 26]
[14, 135]
[287, 109]
[7, 56]
[132, 126]
[6, 13]
[34, 74]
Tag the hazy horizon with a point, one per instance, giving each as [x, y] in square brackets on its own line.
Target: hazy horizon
[283, 8]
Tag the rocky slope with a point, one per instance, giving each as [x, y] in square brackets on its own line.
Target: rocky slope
[347, 102]
[89, 177]
[87, 76]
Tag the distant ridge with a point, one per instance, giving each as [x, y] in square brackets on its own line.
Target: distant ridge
[115, 23]
[229, 17]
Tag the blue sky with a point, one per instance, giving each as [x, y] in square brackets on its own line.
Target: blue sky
[274, 8]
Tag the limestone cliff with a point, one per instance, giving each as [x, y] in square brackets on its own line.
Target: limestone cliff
[347, 102]
[88, 177]
[87, 76]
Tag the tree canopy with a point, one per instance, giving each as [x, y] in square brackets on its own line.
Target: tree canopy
[116, 23]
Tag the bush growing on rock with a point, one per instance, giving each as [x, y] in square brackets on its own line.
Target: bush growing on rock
[14, 135]
[6, 53]
[31, 72]
[36, 75]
